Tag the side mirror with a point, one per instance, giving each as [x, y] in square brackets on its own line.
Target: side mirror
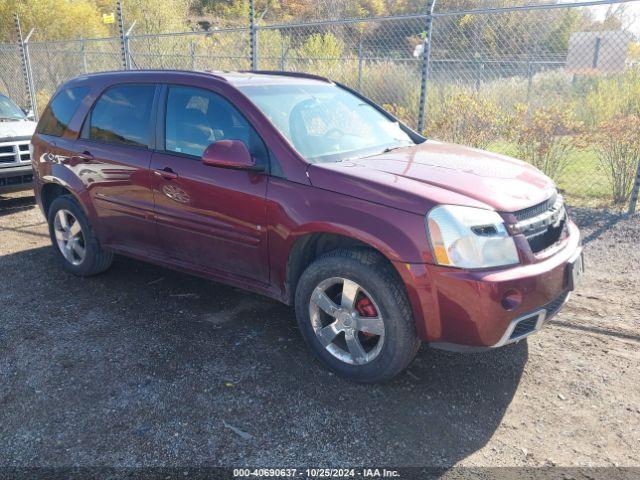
[229, 154]
[30, 115]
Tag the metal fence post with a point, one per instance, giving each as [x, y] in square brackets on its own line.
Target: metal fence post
[426, 55]
[124, 42]
[360, 64]
[253, 41]
[633, 201]
[27, 54]
[84, 55]
[529, 78]
[192, 54]
[283, 53]
[26, 66]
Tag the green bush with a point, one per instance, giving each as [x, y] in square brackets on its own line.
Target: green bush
[467, 118]
[544, 136]
[324, 47]
[605, 97]
[618, 146]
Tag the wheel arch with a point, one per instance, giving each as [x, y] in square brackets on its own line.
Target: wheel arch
[52, 187]
[49, 192]
[310, 245]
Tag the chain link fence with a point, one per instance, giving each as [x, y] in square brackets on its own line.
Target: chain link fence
[12, 81]
[52, 63]
[556, 85]
[225, 49]
[542, 84]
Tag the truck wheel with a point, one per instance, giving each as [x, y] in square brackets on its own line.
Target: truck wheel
[355, 316]
[73, 240]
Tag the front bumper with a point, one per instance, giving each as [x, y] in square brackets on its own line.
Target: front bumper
[15, 179]
[463, 309]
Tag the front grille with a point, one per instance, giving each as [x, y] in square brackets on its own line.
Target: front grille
[545, 239]
[14, 153]
[543, 224]
[16, 180]
[534, 211]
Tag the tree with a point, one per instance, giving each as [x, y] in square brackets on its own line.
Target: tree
[153, 16]
[237, 11]
[52, 19]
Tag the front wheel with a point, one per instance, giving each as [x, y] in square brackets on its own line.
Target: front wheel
[354, 314]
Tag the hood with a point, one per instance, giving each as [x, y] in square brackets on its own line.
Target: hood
[17, 129]
[418, 177]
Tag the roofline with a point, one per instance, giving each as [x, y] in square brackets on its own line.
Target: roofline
[283, 73]
[145, 70]
[218, 76]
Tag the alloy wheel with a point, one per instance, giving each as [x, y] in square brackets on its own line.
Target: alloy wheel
[347, 321]
[69, 236]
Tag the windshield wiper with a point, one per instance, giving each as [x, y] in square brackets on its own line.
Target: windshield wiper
[390, 149]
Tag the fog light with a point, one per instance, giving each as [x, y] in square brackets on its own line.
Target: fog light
[511, 299]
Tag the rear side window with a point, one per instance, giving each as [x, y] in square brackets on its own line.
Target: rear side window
[122, 115]
[60, 110]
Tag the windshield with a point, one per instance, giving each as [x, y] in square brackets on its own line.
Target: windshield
[325, 122]
[9, 110]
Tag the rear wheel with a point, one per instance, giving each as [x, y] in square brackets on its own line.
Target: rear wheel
[73, 240]
[354, 314]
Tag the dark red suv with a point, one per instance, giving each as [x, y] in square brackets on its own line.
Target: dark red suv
[301, 189]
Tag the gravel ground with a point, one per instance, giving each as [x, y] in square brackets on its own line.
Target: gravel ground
[142, 366]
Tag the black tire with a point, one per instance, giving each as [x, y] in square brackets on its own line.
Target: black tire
[96, 259]
[373, 273]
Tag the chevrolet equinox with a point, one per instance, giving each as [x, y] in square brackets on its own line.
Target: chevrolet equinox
[301, 189]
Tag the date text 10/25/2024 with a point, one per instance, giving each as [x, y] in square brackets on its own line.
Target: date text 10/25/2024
[315, 472]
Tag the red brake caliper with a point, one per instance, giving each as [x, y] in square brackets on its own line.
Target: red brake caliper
[366, 309]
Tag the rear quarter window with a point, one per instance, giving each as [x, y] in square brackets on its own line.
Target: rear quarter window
[122, 115]
[56, 117]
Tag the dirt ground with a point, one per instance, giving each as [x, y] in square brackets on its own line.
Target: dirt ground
[142, 366]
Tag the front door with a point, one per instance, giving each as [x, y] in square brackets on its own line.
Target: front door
[209, 218]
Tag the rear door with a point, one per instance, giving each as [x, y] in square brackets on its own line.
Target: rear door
[209, 218]
[113, 155]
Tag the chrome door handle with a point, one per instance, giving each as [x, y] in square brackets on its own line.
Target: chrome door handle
[166, 173]
[83, 157]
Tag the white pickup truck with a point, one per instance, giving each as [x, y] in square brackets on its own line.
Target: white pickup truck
[16, 129]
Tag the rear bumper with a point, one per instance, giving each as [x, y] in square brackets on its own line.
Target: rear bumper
[15, 179]
[463, 310]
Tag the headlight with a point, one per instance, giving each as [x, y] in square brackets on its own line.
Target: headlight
[467, 237]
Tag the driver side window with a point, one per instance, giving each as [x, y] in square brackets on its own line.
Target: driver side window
[196, 118]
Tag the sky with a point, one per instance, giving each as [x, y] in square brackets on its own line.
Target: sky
[632, 12]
